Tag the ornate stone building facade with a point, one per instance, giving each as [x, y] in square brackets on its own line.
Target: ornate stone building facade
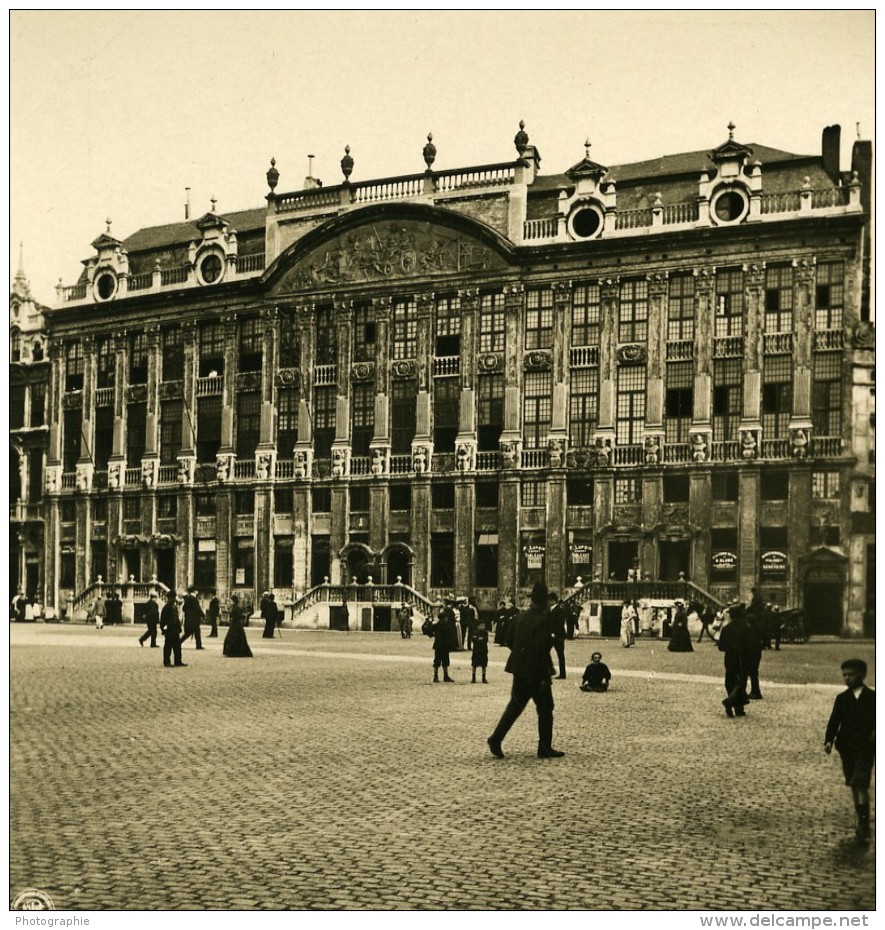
[471, 379]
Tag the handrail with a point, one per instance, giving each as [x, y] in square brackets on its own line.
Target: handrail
[369, 593]
[643, 590]
[139, 590]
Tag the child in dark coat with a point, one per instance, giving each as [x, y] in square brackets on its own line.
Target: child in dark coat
[479, 658]
[596, 675]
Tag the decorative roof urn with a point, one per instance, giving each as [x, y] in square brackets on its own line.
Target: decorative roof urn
[346, 164]
[272, 175]
[429, 151]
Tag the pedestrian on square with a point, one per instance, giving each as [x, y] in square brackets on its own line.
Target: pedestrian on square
[628, 614]
[212, 616]
[402, 618]
[236, 646]
[529, 663]
[98, 611]
[852, 730]
[597, 675]
[152, 619]
[465, 622]
[479, 657]
[113, 609]
[445, 638]
[269, 615]
[558, 616]
[680, 638]
[773, 625]
[755, 645]
[708, 616]
[734, 643]
[193, 615]
[170, 626]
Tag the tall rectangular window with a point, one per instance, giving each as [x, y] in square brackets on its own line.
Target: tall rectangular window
[678, 401]
[204, 564]
[326, 336]
[208, 428]
[35, 476]
[74, 366]
[777, 395]
[825, 485]
[211, 347]
[173, 354]
[727, 388]
[490, 411]
[442, 560]
[828, 295]
[287, 421]
[631, 404]
[628, 491]
[290, 341]
[826, 393]
[539, 318]
[248, 423]
[170, 431]
[533, 493]
[73, 424]
[448, 327]
[363, 333]
[729, 302]
[282, 562]
[243, 562]
[779, 299]
[446, 394]
[104, 436]
[38, 404]
[681, 307]
[537, 408]
[17, 393]
[136, 434]
[404, 323]
[251, 346]
[633, 311]
[324, 421]
[106, 360]
[403, 412]
[586, 305]
[492, 330]
[138, 358]
[583, 406]
[362, 413]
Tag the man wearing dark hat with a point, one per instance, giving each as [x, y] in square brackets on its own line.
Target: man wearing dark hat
[529, 663]
[170, 626]
[269, 615]
[152, 619]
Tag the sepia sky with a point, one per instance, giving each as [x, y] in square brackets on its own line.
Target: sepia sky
[114, 114]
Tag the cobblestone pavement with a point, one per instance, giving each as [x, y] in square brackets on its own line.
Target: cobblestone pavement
[329, 773]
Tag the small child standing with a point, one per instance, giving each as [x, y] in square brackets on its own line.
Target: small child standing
[852, 729]
[479, 658]
[596, 675]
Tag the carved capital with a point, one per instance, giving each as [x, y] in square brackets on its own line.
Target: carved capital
[805, 271]
[609, 288]
[704, 279]
[658, 284]
[513, 295]
[152, 335]
[425, 303]
[469, 297]
[382, 307]
[562, 293]
[754, 277]
[343, 310]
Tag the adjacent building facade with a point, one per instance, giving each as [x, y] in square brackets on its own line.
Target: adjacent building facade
[473, 379]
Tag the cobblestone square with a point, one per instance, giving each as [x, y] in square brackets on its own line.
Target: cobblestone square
[328, 772]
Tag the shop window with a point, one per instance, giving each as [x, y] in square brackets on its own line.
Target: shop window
[400, 497]
[676, 489]
[487, 494]
[579, 492]
[442, 496]
[321, 500]
[774, 485]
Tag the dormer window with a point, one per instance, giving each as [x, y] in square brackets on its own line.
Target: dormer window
[730, 205]
[211, 268]
[586, 221]
[105, 285]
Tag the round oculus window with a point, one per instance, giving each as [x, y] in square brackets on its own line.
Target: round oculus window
[106, 285]
[210, 268]
[729, 206]
[586, 222]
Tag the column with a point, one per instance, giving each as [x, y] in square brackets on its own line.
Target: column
[608, 371]
[700, 506]
[229, 392]
[748, 530]
[265, 455]
[798, 525]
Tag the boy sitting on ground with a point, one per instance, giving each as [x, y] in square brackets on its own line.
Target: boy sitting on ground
[596, 675]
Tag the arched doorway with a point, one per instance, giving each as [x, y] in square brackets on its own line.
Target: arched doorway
[823, 592]
[398, 564]
[357, 561]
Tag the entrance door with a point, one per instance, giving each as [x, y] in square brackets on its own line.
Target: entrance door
[32, 579]
[823, 608]
[622, 556]
[398, 566]
[358, 566]
[165, 559]
[675, 557]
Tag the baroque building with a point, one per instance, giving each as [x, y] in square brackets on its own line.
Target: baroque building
[471, 379]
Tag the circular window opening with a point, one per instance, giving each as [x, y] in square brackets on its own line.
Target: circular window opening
[586, 223]
[729, 206]
[210, 269]
[106, 285]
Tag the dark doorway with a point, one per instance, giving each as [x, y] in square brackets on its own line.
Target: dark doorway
[622, 556]
[610, 623]
[675, 557]
[32, 579]
[165, 559]
[132, 565]
[398, 566]
[319, 561]
[382, 620]
[823, 608]
[338, 618]
[358, 566]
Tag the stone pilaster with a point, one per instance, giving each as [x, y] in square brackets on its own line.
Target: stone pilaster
[508, 536]
[87, 426]
[700, 505]
[555, 561]
[264, 547]
[270, 320]
[121, 383]
[189, 389]
[465, 535]
[301, 553]
[229, 393]
[419, 531]
[748, 531]
[705, 309]
[658, 305]
[798, 525]
[338, 535]
[152, 419]
[754, 313]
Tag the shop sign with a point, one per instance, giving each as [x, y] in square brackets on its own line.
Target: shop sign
[774, 564]
[580, 554]
[724, 561]
[823, 576]
[240, 576]
[534, 556]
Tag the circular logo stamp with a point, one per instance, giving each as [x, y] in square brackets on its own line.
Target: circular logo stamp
[32, 899]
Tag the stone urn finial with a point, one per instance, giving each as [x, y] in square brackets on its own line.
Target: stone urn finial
[346, 164]
[273, 176]
[521, 139]
[429, 151]
[731, 129]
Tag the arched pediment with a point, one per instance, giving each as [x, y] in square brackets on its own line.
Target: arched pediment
[388, 243]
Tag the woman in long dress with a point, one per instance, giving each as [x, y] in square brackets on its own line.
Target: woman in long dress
[628, 614]
[680, 638]
[235, 644]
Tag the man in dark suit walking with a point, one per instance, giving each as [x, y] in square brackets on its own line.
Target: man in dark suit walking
[558, 618]
[152, 619]
[530, 665]
[170, 626]
[193, 615]
[212, 616]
